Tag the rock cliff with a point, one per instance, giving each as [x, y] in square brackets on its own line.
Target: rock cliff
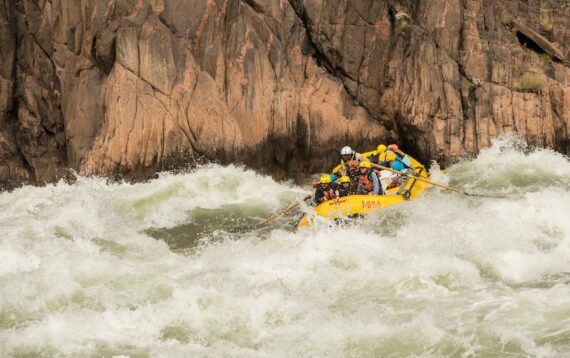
[132, 87]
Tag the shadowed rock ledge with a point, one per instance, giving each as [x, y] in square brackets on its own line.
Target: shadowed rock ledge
[132, 87]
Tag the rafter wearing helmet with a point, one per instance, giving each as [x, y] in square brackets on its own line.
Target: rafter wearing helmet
[325, 190]
[345, 187]
[348, 163]
[368, 180]
[391, 156]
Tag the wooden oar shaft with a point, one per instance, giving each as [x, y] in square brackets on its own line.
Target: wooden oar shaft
[283, 211]
[420, 179]
[279, 213]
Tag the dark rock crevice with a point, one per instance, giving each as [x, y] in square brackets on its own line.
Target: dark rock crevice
[528, 43]
[323, 61]
[254, 5]
[105, 64]
[534, 41]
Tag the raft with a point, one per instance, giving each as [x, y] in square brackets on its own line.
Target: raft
[358, 205]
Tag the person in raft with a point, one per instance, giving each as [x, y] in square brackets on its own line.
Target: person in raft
[392, 157]
[326, 190]
[345, 188]
[377, 156]
[348, 163]
[369, 180]
[398, 160]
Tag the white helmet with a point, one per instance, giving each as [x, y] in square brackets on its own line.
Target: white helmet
[346, 151]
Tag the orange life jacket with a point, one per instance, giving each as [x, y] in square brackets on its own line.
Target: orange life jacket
[349, 166]
[366, 182]
[352, 164]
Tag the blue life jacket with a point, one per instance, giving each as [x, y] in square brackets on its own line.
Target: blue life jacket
[401, 163]
[398, 165]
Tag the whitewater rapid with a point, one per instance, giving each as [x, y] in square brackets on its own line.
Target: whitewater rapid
[159, 268]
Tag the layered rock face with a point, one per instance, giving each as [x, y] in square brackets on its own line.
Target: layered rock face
[137, 86]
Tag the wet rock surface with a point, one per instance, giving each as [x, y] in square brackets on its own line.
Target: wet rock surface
[132, 87]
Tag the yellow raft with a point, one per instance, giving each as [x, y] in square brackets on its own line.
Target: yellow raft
[354, 205]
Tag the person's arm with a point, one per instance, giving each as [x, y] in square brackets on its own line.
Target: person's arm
[334, 187]
[318, 195]
[394, 148]
[339, 170]
[376, 182]
[406, 161]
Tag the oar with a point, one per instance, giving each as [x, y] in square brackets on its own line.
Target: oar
[278, 214]
[428, 181]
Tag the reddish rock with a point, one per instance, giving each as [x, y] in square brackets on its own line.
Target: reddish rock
[134, 87]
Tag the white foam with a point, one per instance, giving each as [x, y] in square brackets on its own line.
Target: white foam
[443, 275]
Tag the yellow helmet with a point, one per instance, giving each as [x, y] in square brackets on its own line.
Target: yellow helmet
[344, 179]
[381, 148]
[390, 156]
[365, 164]
[325, 179]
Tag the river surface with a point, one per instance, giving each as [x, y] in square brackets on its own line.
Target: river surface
[169, 267]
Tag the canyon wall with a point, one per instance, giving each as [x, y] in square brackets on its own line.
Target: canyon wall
[132, 87]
